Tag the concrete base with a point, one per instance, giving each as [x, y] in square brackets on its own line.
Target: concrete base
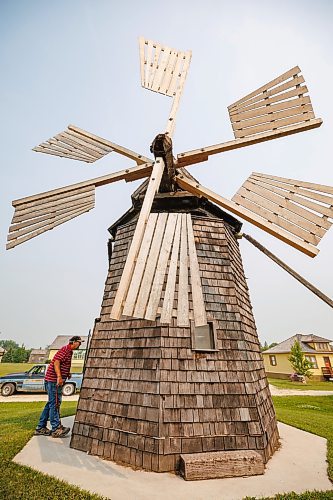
[299, 465]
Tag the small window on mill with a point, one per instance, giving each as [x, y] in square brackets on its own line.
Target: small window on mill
[203, 337]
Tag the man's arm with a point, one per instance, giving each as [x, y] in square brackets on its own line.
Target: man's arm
[58, 372]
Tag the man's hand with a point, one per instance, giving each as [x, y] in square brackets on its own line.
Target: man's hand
[69, 376]
[60, 381]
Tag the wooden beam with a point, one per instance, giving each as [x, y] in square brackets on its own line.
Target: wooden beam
[245, 214]
[154, 183]
[130, 174]
[183, 286]
[199, 311]
[202, 154]
[289, 270]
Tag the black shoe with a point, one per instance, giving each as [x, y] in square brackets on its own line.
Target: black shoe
[60, 432]
[43, 431]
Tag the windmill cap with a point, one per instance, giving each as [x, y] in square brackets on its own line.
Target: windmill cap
[76, 338]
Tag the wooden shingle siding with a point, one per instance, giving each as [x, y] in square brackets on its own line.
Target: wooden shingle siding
[148, 397]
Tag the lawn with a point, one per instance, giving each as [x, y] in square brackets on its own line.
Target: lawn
[309, 413]
[24, 367]
[17, 482]
[309, 386]
[18, 420]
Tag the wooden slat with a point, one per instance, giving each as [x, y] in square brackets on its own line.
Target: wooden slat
[312, 195]
[158, 76]
[199, 311]
[52, 217]
[154, 183]
[308, 185]
[274, 95]
[99, 148]
[170, 128]
[140, 266]
[142, 59]
[60, 196]
[267, 108]
[148, 57]
[155, 66]
[52, 152]
[62, 148]
[14, 243]
[140, 159]
[279, 233]
[137, 172]
[40, 218]
[48, 202]
[285, 76]
[197, 155]
[308, 220]
[167, 309]
[81, 145]
[150, 269]
[156, 289]
[328, 212]
[270, 117]
[275, 219]
[279, 123]
[183, 302]
[169, 72]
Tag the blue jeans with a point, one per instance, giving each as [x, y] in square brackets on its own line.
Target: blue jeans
[51, 412]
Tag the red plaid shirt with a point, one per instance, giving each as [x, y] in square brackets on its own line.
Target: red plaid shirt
[64, 355]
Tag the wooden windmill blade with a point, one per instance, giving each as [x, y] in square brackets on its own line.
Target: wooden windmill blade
[277, 210]
[44, 211]
[277, 109]
[78, 144]
[164, 70]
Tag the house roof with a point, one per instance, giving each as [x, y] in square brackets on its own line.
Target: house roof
[286, 345]
[38, 351]
[62, 340]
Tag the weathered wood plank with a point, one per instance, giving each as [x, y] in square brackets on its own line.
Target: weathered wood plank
[156, 289]
[21, 210]
[183, 302]
[277, 124]
[51, 152]
[154, 183]
[16, 242]
[272, 117]
[140, 266]
[285, 76]
[267, 108]
[150, 269]
[65, 149]
[134, 173]
[197, 155]
[167, 309]
[199, 311]
[279, 233]
[293, 182]
[274, 95]
[289, 210]
[275, 219]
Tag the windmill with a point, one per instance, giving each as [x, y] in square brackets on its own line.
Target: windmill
[176, 337]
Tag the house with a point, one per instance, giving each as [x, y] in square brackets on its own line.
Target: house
[316, 349]
[38, 356]
[2, 352]
[78, 355]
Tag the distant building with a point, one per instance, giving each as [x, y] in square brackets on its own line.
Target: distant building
[78, 355]
[316, 349]
[2, 352]
[38, 356]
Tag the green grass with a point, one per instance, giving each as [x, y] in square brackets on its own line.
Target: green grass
[17, 482]
[14, 367]
[309, 386]
[24, 367]
[312, 414]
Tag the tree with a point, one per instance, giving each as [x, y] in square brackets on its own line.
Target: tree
[14, 353]
[267, 346]
[298, 361]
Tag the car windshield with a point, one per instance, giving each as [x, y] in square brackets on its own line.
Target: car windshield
[37, 370]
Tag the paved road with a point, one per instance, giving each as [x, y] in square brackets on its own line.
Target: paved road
[275, 391]
[29, 397]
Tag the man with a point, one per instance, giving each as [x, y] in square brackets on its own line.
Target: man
[56, 374]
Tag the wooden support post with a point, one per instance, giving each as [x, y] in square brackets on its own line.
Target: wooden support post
[289, 270]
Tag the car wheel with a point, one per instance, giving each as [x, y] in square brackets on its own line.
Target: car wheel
[68, 389]
[7, 390]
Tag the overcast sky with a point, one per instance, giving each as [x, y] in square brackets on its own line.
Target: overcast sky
[77, 62]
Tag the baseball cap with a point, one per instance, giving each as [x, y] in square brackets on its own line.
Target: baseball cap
[76, 338]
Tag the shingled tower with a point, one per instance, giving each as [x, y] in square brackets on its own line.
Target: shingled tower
[152, 392]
